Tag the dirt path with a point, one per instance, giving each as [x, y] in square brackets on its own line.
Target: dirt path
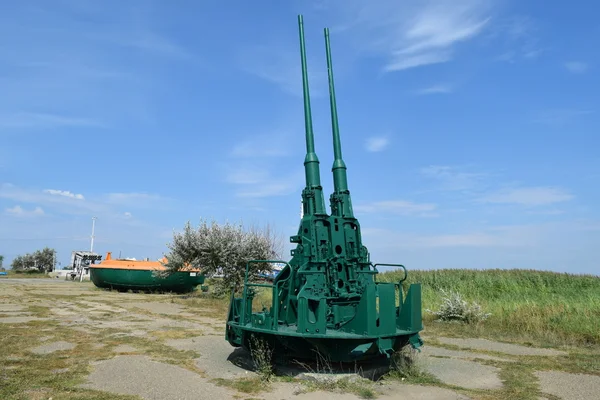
[81, 342]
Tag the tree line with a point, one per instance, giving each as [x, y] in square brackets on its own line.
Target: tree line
[38, 261]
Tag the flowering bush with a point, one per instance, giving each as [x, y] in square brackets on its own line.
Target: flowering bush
[455, 308]
[223, 249]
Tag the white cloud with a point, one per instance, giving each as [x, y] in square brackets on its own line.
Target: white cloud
[435, 89]
[528, 196]
[62, 76]
[397, 207]
[64, 193]
[378, 143]
[411, 33]
[256, 173]
[255, 182]
[280, 188]
[248, 176]
[69, 203]
[452, 178]
[501, 236]
[576, 67]
[280, 64]
[18, 211]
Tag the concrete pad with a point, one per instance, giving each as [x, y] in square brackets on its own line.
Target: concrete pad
[507, 348]
[152, 380]
[217, 357]
[52, 347]
[467, 355]
[466, 374]
[569, 386]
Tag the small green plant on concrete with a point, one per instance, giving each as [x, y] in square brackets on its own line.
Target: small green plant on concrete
[404, 367]
[262, 356]
[455, 308]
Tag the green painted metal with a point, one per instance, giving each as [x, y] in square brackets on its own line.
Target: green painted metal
[144, 280]
[326, 298]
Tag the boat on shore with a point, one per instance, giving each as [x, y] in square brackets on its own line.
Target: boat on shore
[127, 274]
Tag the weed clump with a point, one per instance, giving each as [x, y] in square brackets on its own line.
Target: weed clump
[262, 356]
[455, 309]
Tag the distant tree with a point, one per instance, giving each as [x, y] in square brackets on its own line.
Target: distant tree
[224, 249]
[40, 260]
[1, 261]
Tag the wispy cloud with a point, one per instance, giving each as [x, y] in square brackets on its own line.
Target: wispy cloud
[414, 34]
[400, 207]
[436, 89]
[496, 236]
[65, 193]
[134, 198]
[517, 37]
[453, 178]
[41, 120]
[259, 182]
[280, 65]
[19, 211]
[559, 116]
[528, 196]
[69, 203]
[52, 198]
[248, 176]
[154, 43]
[281, 187]
[74, 65]
[576, 67]
[377, 143]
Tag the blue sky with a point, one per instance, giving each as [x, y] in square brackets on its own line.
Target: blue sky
[469, 128]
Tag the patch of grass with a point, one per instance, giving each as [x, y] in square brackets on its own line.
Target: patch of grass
[170, 332]
[404, 367]
[152, 348]
[25, 274]
[363, 388]
[244, 385]
[549, 308]
[203, 304]
[26, 375]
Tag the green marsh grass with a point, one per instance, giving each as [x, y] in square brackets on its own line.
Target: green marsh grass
[547, 307]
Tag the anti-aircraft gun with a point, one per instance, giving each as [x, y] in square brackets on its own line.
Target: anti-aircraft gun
[326, 298]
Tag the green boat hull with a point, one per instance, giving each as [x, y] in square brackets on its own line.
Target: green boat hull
[145, 280]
